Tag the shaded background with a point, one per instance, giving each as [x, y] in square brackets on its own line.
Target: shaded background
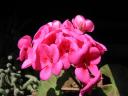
[110, 19]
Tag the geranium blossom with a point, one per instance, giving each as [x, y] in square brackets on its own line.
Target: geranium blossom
[86, 67]
[24, 45]
[49, 57]
[56, 46]
[83, 24]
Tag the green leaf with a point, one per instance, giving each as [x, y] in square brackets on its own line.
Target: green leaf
[47, 88]
[109, 89]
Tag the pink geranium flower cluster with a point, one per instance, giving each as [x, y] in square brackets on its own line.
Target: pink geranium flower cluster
[56, 46]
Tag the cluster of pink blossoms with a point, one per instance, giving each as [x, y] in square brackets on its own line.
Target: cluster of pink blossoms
[56, 46]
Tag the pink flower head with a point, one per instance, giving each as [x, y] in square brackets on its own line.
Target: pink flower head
[24, 44]
[85, 25]
[57, 46]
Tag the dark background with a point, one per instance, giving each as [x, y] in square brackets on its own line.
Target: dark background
[110, 19]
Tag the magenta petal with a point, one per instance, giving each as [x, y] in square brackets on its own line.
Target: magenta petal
[45, 63]
[37, 35]
[50, 38]
[42, 56]
[27, 63]
[89, 25]
[101, 47]
[59, 37]
[56, 24]
[77, 56]
[65, 61]
[96, 61]
[45, 73]
[78, 21]
[22, 54]
[35, 56]
[42, 31]
[84, 48]
[90, 39]
[82, 74]
[90, 85]
[57, 67]
[76, 32]
[93, 69]
[67, 24]
[74, 58]
[95, 56]
[54, 53]
[24, 41]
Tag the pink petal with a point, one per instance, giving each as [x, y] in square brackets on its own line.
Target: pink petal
[90, 85]
[94, 55]
[54, 53]
[77, 56]
[22, 54]
[67, 24]
[90, 39]
[82, 74]
[43, 30]
[37, 35]
[73, 44]
[89, 25]
[44, 50]
[93, 69]
[101, 47]
[77, 32]
[65, 61]
[45, 73]
[47, 55]
[43, 55]
[56, 24]
[36, 64]
[24, 41]
[59, 38]
[50, 53]
[57, 67]
[50, 38]
[27, 63]
[66, 32]
[64, 46]
[96, 61]
[79, 22]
